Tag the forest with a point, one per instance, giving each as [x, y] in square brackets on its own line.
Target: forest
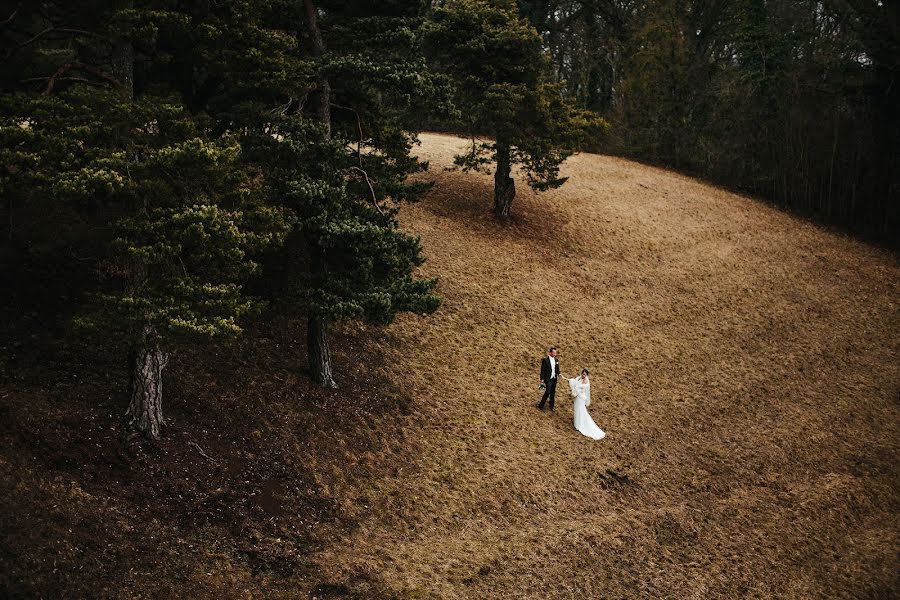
[794, 102]
[140, 137]
[231, 229]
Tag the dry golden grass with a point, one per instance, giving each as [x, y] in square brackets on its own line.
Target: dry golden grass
[744, 365]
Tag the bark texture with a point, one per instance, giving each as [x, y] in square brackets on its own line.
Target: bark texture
[319, 351]
[317, 324]
[504, 186]
[318, 48]
[123, 57]
[147, 361]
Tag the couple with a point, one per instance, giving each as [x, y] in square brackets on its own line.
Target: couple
[581, 391]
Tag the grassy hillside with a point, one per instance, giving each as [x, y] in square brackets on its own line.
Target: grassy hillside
[745, 366]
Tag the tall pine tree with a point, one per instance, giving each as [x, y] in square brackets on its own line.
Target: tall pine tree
[345, 175]
[324, 102]
[173, 214]
[503, 87]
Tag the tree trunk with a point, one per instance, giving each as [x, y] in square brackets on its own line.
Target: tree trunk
[123, 57]
[317, 324]
[318, 47]
[504, 186]
[146, 360]
[146, 364]
[319, 351]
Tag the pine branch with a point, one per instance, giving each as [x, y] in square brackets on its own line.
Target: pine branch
[371, 189]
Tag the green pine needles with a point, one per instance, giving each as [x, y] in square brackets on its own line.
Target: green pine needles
[183, 151]
[502, 84]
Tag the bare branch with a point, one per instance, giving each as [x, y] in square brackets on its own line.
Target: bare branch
[282, 109]
[74, 79]
[92, 34]
[10, 18]
[36, 37]
[52, 29]
[301, 102]
[371, 189]
[183, 269]
[202, 453]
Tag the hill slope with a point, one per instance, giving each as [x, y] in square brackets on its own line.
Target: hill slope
[744, 365]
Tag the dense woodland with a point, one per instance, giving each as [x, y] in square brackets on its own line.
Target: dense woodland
[181, 165]
[182, 183]
[794, 101]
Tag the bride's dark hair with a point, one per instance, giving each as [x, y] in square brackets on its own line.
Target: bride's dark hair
[585, 372]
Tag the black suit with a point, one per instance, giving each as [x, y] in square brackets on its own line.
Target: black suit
[549, 381]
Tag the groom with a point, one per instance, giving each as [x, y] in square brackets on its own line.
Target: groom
[549, 375]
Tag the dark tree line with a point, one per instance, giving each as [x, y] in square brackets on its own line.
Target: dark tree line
[796, 101]
[167, 158]
[181, 165]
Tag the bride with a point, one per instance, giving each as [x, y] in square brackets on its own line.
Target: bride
[581, 391]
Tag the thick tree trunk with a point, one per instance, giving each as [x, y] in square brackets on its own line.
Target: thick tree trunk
[325, 105]
[146, 364]
[317, 324]
[123, 57]
[504, 186]
[318, 47]
[319, 351]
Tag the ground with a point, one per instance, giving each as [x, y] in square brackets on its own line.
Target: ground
[745, 365]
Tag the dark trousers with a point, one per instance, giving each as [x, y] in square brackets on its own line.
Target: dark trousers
[550, 392]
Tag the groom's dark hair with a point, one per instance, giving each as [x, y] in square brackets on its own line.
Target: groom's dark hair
[552, 348]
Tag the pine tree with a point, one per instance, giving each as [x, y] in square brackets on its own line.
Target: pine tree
[200, 132]
[343, 170]
[503, 87]
[324, 121]
[183, 211]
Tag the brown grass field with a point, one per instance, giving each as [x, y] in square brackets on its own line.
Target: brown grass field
[745, 366]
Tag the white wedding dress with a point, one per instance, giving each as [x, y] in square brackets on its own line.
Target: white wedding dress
[583, 421]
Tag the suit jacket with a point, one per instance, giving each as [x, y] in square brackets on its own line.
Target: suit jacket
[545, 369]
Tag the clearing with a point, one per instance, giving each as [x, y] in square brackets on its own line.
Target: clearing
[744, 365]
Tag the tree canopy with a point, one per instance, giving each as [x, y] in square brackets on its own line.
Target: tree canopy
[792, 101]
[504, 90]
[180, 147]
